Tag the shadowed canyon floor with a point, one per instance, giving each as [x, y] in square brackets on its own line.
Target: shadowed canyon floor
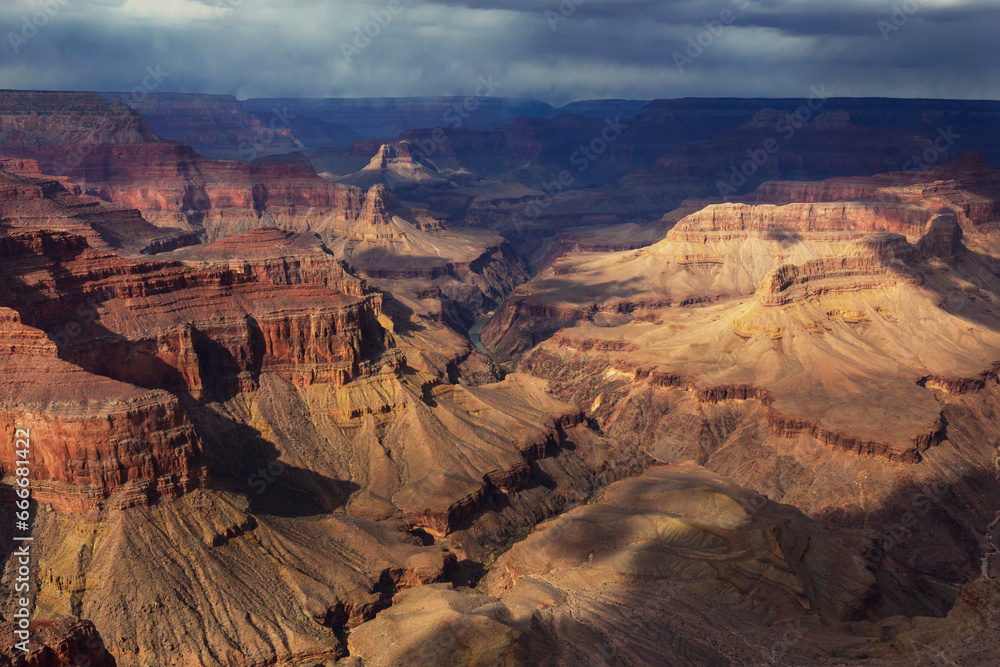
[752, 431]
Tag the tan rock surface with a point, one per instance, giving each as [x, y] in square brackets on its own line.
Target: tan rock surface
[776, 354]
[247, 455]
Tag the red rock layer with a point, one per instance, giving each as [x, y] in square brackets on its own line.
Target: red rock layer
[127, 331]
[884, 263]
[175, 326]
[799, 217]
[173, 178]
[107, 149]
[66, 121]
[90, 436]
[30, 199]
[968, 186]
[779, 423]
[62, 642]
[215, 126]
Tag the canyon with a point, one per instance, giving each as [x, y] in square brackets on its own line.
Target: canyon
[755, 425]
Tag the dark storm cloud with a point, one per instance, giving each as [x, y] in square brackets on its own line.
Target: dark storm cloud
[552, 51]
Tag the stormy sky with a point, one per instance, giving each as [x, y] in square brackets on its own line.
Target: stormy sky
[545, 49]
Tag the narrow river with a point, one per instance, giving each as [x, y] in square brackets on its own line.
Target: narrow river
[474, 334]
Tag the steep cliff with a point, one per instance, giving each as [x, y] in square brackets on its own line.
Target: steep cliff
[797, 346]
[215, 126]
[94, 437]
[31, 199]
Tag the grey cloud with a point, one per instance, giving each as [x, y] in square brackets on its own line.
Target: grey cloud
[606, 48]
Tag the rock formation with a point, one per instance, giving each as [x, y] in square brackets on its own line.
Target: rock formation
[200, 409]
[698, 432]
[30, 199]
[62, 641]
[215, 126]
[465, 273]
[395, 167]
[767, 340]
[387, 117]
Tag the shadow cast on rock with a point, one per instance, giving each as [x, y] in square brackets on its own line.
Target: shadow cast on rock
[240, 460]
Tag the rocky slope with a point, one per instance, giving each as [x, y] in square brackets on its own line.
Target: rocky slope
[675, 567]
[31, 199]
[215, 126]
[797, 346]
[761, 429]
[109, 152]
[90, 425]
[236, 422]
[119, 335]
[463, 273]
[60, 642]
[655, 554]
[437, 275]
[62, 124]
[394, 166]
